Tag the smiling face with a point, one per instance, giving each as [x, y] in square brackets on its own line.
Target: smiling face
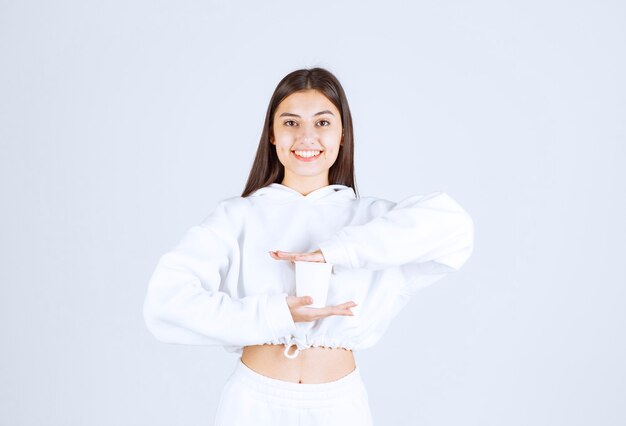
[307, 134]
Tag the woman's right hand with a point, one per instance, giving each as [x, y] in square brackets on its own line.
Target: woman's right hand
[301, 313]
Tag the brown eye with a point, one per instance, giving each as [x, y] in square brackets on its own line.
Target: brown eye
[324, 121]
[287, 123]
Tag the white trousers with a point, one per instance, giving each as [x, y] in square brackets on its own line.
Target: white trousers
[249, 398]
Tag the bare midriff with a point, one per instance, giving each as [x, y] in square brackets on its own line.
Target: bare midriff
[313, 365]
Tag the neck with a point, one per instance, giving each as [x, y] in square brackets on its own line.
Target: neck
[305, 184]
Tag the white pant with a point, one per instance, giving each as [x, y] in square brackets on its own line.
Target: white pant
[249, 398]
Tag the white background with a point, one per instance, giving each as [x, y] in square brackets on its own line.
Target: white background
[123, 123]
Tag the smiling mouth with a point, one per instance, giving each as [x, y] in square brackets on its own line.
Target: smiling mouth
[308, 155]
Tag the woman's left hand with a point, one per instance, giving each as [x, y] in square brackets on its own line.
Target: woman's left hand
[314, 256]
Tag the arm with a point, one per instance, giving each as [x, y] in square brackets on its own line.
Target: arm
[184, 304]
[418, 229]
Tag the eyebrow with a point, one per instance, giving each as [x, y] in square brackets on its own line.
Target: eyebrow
[288, 114]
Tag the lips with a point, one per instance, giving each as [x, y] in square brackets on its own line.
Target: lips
[307, 159]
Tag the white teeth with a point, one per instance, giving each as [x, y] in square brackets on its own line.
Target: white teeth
[307, 154]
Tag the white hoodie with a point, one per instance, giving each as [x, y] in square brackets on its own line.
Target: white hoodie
[219, 286]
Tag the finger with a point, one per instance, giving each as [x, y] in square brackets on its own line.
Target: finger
[284, 255]
[277, 255]
[318, 313]
[342, 311]
[310, 257]
[329, 311]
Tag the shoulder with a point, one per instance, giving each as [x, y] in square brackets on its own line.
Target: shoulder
[227, 215]
[421, 199]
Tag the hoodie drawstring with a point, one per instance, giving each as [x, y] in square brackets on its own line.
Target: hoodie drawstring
[288, 346]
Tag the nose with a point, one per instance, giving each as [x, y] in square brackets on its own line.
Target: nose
[307, 136]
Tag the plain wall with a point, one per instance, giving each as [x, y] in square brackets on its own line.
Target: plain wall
[122, 124]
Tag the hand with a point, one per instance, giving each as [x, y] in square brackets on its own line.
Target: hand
[297, 305]
[314, 256]
[300, 313]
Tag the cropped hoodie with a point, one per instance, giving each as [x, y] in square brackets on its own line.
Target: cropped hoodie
[219, 286]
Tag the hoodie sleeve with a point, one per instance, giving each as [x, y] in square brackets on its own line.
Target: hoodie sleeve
[184, 302]
[416, 230]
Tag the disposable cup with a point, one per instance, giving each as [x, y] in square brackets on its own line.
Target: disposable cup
[312, 279]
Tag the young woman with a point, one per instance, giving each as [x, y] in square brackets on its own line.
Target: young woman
[230, 280]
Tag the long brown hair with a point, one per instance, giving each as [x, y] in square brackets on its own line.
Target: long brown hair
[267, 168]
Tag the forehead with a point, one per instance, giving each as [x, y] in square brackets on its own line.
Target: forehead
[306, 101]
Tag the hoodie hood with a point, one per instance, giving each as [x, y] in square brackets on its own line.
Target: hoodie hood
[278, 191]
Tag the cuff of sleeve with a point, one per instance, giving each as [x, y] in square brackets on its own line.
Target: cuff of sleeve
[335, 252]
[279, 316]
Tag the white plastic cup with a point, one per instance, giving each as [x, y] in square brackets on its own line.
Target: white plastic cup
[313, 279]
